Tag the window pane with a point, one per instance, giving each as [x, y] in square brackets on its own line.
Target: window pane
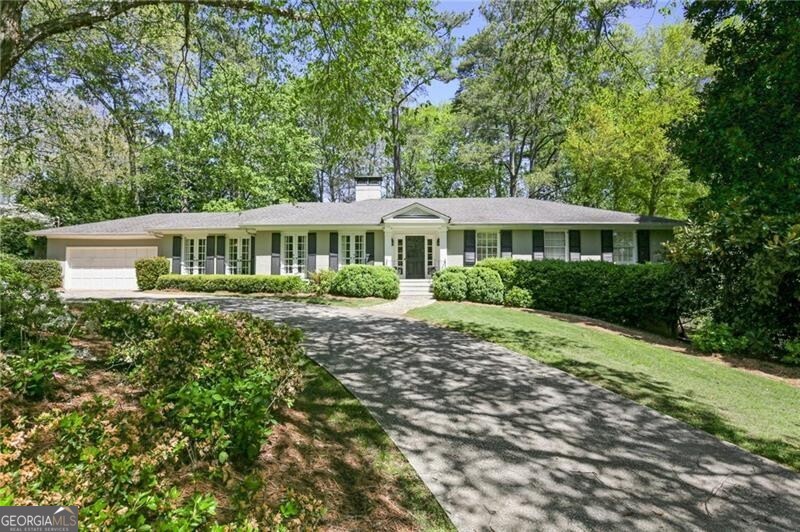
[244, 259]
[400, 256]
[554, 245]
[301, 253]
[358, 253]
[623, 247]
[288, 254]
[201, 255]
[486, 246]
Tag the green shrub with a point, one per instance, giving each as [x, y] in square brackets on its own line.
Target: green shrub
[518, 297]
[450, 284]
[118, 320]
[321, 281]
[47, 272]
[641, 295]
[242, 284]
[359, 280]
[506, 268]
[33, 326]
[216, 377]
[713, 337]
[149, 270]
[14, 241]
[484, 286]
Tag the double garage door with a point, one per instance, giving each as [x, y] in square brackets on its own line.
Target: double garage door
[103, 268]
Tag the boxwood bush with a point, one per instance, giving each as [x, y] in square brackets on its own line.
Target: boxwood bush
[506, 268]
[360, 280]
[450, 284]
[481, 285]
[518, 297]
[641, 295]
[484, 286]
[47, 272]
[149, 270]
[243, 284]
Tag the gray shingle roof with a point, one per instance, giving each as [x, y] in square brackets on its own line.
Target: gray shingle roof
[462, 211]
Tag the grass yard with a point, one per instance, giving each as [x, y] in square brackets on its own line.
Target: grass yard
[755, 412]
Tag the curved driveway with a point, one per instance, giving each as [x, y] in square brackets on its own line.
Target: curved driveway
[506, 443]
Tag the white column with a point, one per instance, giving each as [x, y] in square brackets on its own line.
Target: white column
[387, 247]
[442, 249]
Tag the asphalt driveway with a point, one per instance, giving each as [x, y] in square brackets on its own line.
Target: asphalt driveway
[506, 443]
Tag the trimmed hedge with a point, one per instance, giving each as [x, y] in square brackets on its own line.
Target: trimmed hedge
[243, 284]
[477, 284]
[360, 280]
[484, 286]
[47, 272]
[506, 268]
[518, 297]
[450, 284]
[149, 270]
[641, 295]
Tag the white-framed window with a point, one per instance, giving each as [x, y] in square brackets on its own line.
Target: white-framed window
[353, 248]
[400, 256]
[194, 255]
[429, 252]
[555, 245]
[239, 261]
[294, 254]
[624, 247]
[486, 245]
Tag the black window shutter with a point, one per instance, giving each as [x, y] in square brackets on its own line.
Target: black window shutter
[643, 246]
[574, 245]
[176, 254]
[211, 254]
[311, 261]
[469, 248]
[275, 259]
[252, 255]
[220, 255]
[505, 244]
[538, 244]
[334, 251]
[370, 247]
[607, 245]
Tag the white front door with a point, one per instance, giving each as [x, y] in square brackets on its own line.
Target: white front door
[103, 268]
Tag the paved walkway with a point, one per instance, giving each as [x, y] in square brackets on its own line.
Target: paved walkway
[506, 443]
[398, 307]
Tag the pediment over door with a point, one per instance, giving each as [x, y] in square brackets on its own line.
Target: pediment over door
[416, 212]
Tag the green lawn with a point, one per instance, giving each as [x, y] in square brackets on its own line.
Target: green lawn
[752, 411]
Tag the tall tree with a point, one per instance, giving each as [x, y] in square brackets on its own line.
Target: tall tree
[521, 78]
[617, 145]
[741, 254]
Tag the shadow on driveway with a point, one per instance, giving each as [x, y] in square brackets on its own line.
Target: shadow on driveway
[507, 443]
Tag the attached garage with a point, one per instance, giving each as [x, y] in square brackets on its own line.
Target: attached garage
[103, 268]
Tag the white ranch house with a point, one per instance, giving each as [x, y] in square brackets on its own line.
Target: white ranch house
[415, 236]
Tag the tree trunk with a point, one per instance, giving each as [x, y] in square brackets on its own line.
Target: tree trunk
[10, 34]
[396, 150]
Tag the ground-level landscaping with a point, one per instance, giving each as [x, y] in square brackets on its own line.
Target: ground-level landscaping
[755, 412]
[185, 417]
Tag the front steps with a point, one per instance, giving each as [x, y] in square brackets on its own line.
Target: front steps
[415, 288]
